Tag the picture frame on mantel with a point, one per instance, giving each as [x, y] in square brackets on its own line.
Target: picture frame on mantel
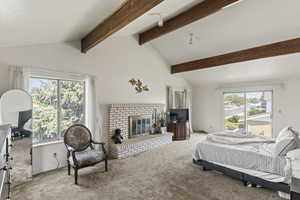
[177, 98]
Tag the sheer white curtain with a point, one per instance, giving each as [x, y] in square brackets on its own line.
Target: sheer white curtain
[18, 79]
[170, 100]
[93, 114]
[9, 111]
[188, 103]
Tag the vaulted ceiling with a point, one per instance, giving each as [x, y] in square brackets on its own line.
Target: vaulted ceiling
[248, 24]
[36, 22]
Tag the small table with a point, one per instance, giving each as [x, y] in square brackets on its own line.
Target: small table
[295, 186]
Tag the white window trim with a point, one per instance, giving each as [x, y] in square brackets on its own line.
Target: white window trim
[58, 76]
[47, 143]
[93, 119]
[52, 74]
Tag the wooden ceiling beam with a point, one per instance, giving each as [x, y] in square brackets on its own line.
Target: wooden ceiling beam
[193, 14]
[128, 12]
[275, 49]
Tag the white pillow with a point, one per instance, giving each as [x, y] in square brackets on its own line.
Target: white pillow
[288, 132]
[284, 133]
[285, 145]
[296, 135]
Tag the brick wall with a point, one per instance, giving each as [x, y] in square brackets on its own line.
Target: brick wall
[118, 116]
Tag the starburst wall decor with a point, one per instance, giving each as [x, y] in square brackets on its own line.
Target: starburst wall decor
[138, 86]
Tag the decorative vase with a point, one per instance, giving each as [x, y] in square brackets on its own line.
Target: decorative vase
[163, 129]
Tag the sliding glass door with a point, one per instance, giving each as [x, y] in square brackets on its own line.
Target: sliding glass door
[259, 113]
[248, 112]
[234, 111]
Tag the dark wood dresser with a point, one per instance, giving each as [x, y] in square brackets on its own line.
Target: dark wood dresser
[179, 130]
[5, 141]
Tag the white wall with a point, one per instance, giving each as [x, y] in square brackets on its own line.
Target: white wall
[207, 109]
[4, 74]
[113, 62]
[43, 159]
[208, 104]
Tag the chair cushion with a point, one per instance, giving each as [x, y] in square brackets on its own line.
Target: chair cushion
[87, 157]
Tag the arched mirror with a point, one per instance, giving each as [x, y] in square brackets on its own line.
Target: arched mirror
[16, 110]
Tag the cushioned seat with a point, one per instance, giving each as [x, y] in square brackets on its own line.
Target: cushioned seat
[88, 157]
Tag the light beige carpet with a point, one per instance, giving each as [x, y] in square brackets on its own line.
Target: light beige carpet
[165, 173]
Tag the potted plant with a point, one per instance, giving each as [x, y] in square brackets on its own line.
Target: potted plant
[159, 123]
[162, 122]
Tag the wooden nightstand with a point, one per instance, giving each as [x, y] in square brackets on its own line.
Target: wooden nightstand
[295, 185]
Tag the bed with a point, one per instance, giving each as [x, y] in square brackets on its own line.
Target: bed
[247, 158]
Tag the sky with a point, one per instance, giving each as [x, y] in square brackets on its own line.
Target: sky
[37, 82]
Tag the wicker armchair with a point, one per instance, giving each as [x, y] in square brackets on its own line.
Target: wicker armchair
[80, 149]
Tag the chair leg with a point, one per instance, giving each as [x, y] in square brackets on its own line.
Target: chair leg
[69, 168]
[106, 165]
[76, 176]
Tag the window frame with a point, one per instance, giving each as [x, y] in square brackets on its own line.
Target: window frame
[244, 92]
[59, 135]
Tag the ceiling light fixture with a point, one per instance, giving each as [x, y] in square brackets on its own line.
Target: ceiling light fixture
[191, 38]
[160, 22]
[235, 3]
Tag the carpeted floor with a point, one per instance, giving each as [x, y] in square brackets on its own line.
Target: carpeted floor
[165, 173]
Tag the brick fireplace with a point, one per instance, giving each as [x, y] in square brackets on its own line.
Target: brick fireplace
[133, 120]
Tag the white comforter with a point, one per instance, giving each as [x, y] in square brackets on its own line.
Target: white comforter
[242, 153]
[233, 138]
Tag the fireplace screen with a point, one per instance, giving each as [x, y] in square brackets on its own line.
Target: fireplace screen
[139, 125]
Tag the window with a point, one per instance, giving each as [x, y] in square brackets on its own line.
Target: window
[57, 104]
[249, 111]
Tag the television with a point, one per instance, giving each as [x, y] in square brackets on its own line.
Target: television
[24, 117]
[20, 131]
[179, 115]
